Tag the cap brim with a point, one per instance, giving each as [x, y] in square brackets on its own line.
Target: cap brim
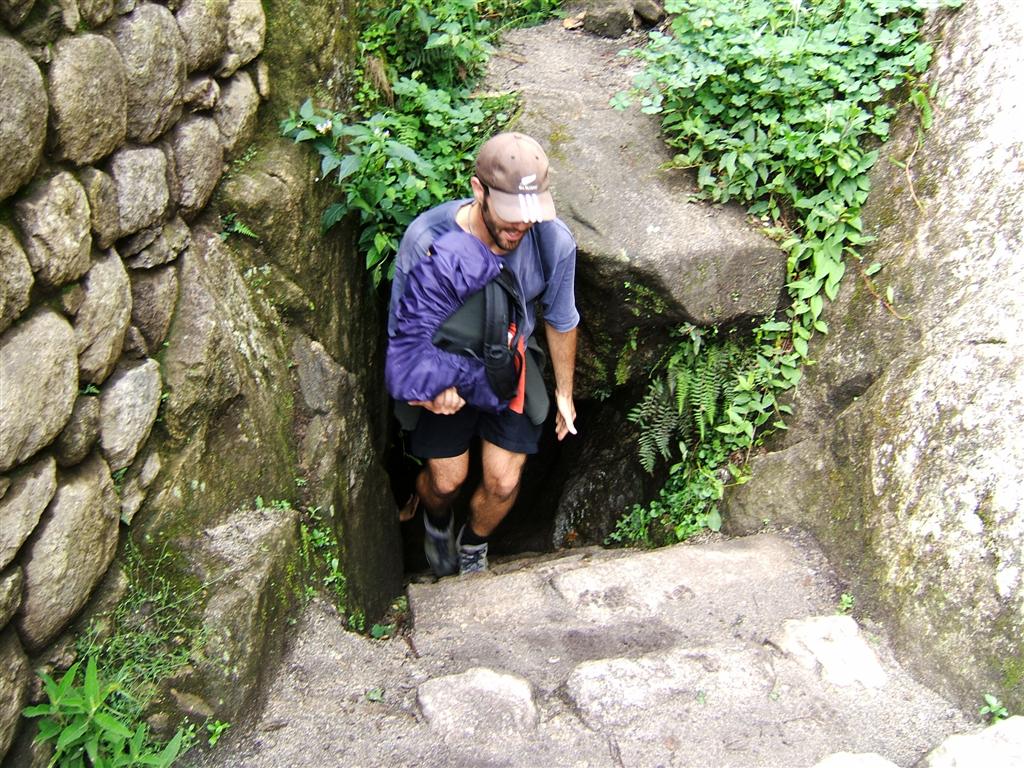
[518, 208]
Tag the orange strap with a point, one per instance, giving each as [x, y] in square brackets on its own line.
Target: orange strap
[518, 402]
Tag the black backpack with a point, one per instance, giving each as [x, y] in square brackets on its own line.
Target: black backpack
[493, 309]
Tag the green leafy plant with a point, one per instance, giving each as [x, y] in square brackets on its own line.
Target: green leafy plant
[232, 225]
[148, 636]
[846, 603]
[778, 104]
[445, 40]
[408, 141]
[86, 730]
[357, 621]
[396, 163]
[215, 730]
[320, 554]
[993, 710]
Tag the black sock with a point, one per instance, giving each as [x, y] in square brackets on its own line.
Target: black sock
[468, 537]
[439, 520]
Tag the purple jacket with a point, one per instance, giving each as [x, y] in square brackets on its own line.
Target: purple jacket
[415, 369]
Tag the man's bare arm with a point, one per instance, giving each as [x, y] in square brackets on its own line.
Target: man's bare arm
[562, 348]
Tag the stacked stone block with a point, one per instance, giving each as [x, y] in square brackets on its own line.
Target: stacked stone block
[116, 120]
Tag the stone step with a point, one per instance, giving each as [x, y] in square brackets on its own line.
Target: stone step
[725, 654]
[598, 606]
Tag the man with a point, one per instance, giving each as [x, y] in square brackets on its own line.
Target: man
[512, 213]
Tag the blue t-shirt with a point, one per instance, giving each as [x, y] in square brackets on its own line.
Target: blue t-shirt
[544, 264]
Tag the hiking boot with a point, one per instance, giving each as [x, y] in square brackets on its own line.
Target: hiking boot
[472, 557]
[439, 547]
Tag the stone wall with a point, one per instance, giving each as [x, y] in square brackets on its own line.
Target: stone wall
[905, 456]
[156, 377]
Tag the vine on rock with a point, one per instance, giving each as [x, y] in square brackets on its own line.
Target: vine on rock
[781, 105]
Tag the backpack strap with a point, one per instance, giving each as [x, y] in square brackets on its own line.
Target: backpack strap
[503, 361]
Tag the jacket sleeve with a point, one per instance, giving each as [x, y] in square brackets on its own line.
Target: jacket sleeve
[416, 369]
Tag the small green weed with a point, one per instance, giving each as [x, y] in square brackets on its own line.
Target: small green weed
[320, 554]
[216, 730]
[151, 633]
[846, 602]
[993, 710]
[232, 225]
[127, 653]
[83, 726]
[357, 621]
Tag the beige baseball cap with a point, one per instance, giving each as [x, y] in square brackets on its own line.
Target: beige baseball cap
[514, 168]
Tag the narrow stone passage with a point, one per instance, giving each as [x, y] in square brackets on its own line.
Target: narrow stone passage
[729, 653]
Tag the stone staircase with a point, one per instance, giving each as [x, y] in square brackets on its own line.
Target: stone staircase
[726, 654]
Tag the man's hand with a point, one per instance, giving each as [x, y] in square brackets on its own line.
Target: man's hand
[445, 404]
[566, 416]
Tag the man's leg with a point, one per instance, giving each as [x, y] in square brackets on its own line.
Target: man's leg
[439, 481]
[443, 442]
[502, 471]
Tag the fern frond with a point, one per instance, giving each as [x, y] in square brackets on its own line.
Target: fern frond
[657, 418]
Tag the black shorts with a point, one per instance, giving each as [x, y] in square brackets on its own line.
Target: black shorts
[442, 437]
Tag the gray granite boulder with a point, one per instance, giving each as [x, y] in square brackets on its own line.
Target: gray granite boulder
[650, 12]
[32, 488]
[325, 387]
[168, 242]
[22, 112]
[15, 278]
[153, 53]
[246, 32]
[201, 93]
[1000, 744]
[55, 229]
[480, 701]
[13, 12]
[128, 408]
[69, 552]
[15, 674]
[87, 98]
[154, 297]
[11, 582]
[136, 483]
[40, 370]
[248, 558]
[608, 18]
[200, 371]
[198, 162]
[102, 319]
[81, 433]
[95, 13]
[104, 212]
[140, 175]
[203, 25]
[235, 113]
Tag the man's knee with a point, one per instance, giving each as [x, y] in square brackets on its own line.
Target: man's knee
[445, 481]
[503, 484]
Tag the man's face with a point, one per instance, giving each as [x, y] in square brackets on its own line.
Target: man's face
[506, 234]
